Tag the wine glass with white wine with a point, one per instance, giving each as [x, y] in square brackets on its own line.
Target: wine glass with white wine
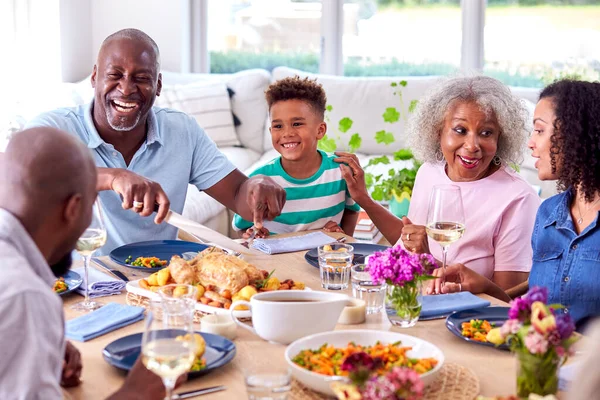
[91, 240]
[168, 342]
[445, 218]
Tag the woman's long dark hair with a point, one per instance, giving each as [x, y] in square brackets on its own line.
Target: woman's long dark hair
[575, 150]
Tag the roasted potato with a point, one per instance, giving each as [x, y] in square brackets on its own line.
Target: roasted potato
[298, 286]
[327, 248]
[144, 284]
[180, 291]
[163, 276]
[153, 279]
[200, 343]
[245, 293]
[199, 291]
[272, 284]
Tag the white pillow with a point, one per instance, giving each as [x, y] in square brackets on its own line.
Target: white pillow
[208, 103]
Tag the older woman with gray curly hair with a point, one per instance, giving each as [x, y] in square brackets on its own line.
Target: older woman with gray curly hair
[467, 131]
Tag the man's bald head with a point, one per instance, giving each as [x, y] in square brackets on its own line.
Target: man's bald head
[134, 35]
[45, 166]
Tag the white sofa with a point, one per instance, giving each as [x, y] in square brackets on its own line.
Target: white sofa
[362, 99]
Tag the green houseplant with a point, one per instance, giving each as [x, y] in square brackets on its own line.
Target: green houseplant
[395, 186]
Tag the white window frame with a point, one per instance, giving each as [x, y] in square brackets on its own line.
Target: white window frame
[197, 58]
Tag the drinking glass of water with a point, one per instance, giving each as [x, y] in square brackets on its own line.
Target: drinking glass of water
[267, 382]
[91, 240]
[335, 261]
[445, 218]
[364, 288]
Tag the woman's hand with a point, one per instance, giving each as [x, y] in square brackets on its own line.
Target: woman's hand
[414, 237]
[458, 279]
[332, 226]
[354, 175]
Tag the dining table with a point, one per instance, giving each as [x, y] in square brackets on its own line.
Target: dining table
[495, 369]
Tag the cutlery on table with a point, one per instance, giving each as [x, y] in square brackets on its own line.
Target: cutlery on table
[113, 271]
[199, 392]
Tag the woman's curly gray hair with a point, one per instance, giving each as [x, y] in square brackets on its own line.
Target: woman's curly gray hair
[425, 125]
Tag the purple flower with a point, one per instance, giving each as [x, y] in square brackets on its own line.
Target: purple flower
[360, 360]
[399, 383]
[396, 266]
[520, 309]
[564, 324]
[537, 293]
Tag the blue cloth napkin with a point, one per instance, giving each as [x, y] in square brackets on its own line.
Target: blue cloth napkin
[103, 320]
[100, 284]
[294, 243]
[441, 305]
[566, 374]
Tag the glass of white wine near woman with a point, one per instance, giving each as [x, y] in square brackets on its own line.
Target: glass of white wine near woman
[91, 240]
[445, 218]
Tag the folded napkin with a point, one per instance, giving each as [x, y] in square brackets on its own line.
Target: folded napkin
[566, 374]
[100, 284]
[440, 305]
[103, 320]
[290, 244]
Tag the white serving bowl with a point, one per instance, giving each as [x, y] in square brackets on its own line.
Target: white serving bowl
[321, 384]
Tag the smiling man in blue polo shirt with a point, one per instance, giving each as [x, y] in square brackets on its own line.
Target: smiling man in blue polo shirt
[147, 155]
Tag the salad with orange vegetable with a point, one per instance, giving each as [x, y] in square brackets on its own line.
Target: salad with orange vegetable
[328, 360]
[477, 329]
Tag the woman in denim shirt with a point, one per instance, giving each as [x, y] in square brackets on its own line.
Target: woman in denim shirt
[566, 235]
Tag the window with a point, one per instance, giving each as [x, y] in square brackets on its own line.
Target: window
[532, 42]
[401, 37]
[246, 34]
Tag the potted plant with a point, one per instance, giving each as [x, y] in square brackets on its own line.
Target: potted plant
[541, 336]
[396, 186]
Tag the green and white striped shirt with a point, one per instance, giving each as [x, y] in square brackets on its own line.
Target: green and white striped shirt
[310, 202]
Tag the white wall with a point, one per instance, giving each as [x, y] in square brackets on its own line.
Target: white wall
[163, 20]
[76, 39]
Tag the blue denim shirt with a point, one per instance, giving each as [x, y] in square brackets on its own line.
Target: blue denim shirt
[176, 152]
[566, 263]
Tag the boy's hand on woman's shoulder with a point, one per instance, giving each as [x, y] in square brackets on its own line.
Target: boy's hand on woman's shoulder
[332, 226]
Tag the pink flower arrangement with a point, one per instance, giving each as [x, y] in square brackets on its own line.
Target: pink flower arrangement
[396, 266]
[397, 384]
[541, 335]
[535, 325]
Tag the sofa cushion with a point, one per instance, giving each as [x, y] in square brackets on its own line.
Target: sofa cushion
[208, 103]
[248, 101]
[365, 100]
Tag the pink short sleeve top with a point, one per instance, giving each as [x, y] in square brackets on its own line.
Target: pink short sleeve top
[499, 217]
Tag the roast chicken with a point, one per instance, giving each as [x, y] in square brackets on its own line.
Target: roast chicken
[221, 270]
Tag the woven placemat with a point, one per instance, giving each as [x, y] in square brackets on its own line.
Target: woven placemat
[142, 301]
[454, 382]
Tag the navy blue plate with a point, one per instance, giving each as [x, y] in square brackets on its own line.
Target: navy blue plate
[163, 249]
[361, 250]
[73, 281]
[495, 315]
[123, 352]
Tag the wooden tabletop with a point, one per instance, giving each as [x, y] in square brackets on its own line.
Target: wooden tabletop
[495, 369]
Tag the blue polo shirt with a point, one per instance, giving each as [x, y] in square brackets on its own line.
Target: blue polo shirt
[176, 152]
[567, 263]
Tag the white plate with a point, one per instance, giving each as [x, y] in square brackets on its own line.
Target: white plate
[319, 382]
[134, 287]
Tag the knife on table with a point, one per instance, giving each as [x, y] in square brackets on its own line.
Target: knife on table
[113, 271]
[193, 393]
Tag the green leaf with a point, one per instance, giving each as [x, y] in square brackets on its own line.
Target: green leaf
[329, 107]
[379, 160]
[412, 105]
[355, 142]
[369, 180]
[403, 154]
[391, 115]
[345, 124]
[403, 83]
[327, 144]
[377, 194]
[393, 84]
[384, 137]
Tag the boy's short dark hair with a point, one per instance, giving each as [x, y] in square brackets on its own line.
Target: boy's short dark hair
[296, 88]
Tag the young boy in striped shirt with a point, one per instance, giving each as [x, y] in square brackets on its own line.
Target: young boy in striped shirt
[317, 195]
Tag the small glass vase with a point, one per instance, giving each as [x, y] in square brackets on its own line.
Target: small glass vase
[403, 304]
[537, 374]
